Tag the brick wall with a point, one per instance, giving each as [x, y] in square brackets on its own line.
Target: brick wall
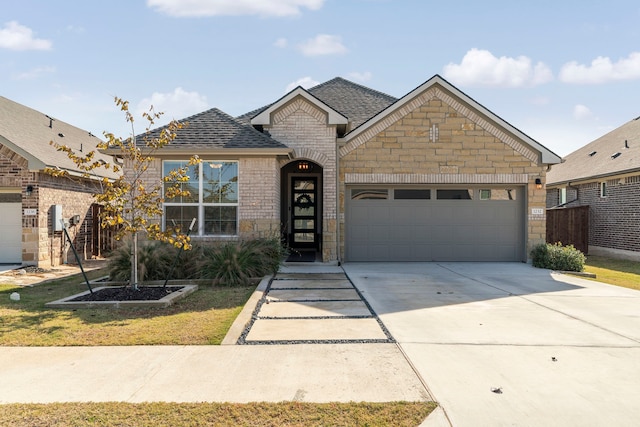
[437, 143]
[40, 245]
[259, 198]
[614, 220]
[303, 127]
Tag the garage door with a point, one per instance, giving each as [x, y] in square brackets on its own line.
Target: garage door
[435, 224]
[11, 228]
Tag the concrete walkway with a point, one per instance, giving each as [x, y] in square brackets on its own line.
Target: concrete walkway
[512, 345]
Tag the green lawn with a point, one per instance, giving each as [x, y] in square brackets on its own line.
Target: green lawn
[203, 317]
[614, 271]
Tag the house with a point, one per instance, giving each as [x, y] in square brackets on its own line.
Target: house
[353, 174]
[604, 175]
[33, 202]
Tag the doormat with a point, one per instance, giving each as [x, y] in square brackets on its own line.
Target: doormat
[306, 256]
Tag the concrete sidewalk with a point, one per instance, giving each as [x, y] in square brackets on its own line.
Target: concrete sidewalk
[247, 373]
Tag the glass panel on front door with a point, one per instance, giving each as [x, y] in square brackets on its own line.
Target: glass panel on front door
[303, 212]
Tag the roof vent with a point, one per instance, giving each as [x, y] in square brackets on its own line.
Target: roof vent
[593, 153]
[61, 135]
[626, 144]
[616, 155]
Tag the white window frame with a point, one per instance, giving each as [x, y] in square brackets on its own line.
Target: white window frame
[603, 189]
[563, 195]
[200, 204]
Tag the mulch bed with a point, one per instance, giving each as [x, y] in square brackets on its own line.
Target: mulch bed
[126, 293]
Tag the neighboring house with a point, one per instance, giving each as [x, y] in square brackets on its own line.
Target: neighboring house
[604, 175]
[357, 175]
[30, 200]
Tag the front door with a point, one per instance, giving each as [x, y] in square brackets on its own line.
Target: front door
[304, 213]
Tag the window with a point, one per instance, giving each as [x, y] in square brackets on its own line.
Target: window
[369, 194]
[213, 199]
[603, 189]
[498, 194]
[563, 195]
[402, 194]
[454, 194]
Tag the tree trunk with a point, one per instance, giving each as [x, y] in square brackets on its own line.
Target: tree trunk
[134, 261]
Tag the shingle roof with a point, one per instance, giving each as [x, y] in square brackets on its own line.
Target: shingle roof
[356, 102]
[28, 133]
[582, 164]
[214, 129]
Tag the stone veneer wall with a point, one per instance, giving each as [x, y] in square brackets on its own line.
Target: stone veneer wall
[303, 127]
[468, 149]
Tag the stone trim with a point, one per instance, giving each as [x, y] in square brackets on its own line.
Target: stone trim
[432, 178]
[422, 99]
[307, 153]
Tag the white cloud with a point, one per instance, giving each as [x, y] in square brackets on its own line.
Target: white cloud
[540, 100]
[18, 37]
[481, 68]
[281, 43]
[323, 44]
[35, 73]
[581, 112]
[360, 77]
[178, 104]
[602, 70]
[305, 82]
[278, 8]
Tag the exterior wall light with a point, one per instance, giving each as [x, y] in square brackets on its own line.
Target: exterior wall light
[304, 167]
[29, 190]
[538, 183]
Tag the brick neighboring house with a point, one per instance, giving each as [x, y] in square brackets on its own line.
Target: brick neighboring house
[357, 175]
[604, 175]
[28, 196]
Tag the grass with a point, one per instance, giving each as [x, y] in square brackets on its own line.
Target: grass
[203, 317]
[215, 414]
[617, 272]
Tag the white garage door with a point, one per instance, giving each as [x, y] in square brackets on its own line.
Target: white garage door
[11, 228]
[435, 224]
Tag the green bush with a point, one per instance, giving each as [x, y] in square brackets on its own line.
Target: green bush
[558, 257]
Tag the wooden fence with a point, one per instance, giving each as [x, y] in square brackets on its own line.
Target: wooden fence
[569, 226]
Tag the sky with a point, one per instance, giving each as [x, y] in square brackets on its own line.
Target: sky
[563, 72]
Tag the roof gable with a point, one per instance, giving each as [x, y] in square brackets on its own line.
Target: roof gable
[265, 116]
[355, 102]
[617, 152]
[28, 132]
[437, 87]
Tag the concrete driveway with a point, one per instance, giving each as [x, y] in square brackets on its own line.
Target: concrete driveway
[506, 344]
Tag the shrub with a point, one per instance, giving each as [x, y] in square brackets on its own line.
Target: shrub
[155, 260]
[236, 263]
[558, 257]
[229, 263]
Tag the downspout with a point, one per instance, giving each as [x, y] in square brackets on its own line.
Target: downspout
[338, 253]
